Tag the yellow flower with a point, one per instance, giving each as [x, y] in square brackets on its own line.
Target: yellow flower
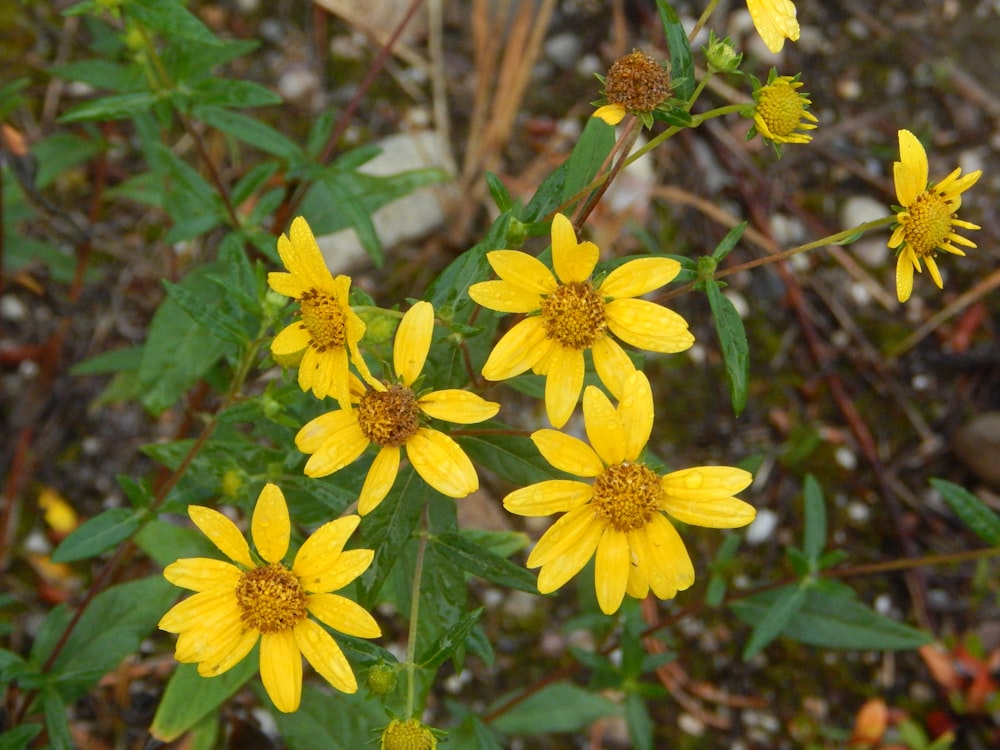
[774, 21]
[408, 735]
[635, 83]
[619, 517]
[575, 316]
[328, 332]
[389, 415]
[781, 110]
[237, 604]
[927, 214]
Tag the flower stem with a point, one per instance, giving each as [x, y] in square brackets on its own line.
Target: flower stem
[411, 638]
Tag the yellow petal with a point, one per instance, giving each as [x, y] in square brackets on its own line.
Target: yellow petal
[215, 605]
[518, 350]
[325, 373]
[612, 364]
[301, 255]
[567, 453]
[647, 325]
[522, 271]
[381, 476]
[325, 656]
[413, 342]
[222, 533]
[910, 172]
[348, 566]
[456, 405]
[343, 615]
[281, 669]
[636, 413]
[202, 574]
[572, 261]
[638, 277]
[611, 570]
[287, 284]
[227, 650]
[566, 533]
[705, 483]
[335, 440]
[904, 276]
[774, 21]
[932, 269]
[271, 526]
[318, 554]
[662, 556]
[504, 297]
[612, 114]
[442, 463]
[563, 382]
[638, 585]
[604, 428]
[548, 497]
[576, 542]
[292, 339]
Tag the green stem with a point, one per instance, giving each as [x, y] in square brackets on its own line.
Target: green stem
[703, 20]
[411, 638]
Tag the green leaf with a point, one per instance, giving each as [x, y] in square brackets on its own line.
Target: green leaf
[834, 621]
[171, 19]
[471, 733]
[640, 723]
[332, 721]
[512, 457]
[733, 340]
[166, 542]
[19, 738]
[56, 722]
[499, 192]
[61, 152]
[360, 219]
[118, 107]
[102, 74]
[111, 628]
[975, 514]
[252, 181]
[586, 159]
[207, 312]
[559, 707]
[475, 559]
[785, 606]
[681, 62]
[250, 131]
[105, 363]
[178, 351]
[728, 242]
[228, 92]
[100, 533]
[448, 643]
[189, 697]
[815, 519]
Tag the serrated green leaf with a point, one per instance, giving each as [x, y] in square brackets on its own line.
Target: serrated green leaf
[973, 512]
[171, 19]
[213, 317]
[681, 62]
[559, 707]
[250, 131]
[814, 539]
[830, 620]
[118, 107]
[189, 697]
[787, 603]
[100, 533]
[733, 340]
[475, 559]
[449, 642]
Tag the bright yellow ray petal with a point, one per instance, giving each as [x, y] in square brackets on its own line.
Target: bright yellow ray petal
[647, 325]
[202, 574]
[281, 669]
[662, 556]
[774, 21]
[518, 350]
[333, 448]
[572, 261]
[576, 530]
[222, 533]
[301, 255]
[612, 364]
[604, 428]
[287, 284]
[637, 277]
[558, 569]
[612, 114]
[343, 615]
[225, 652]
[904, 276]
[319, 552]
[325, 656]
[271, 527]
[705, 483]
[456, 405]
[637, 586]
[413, 341]
[567, 453]
[381, 477]
[932, 269]
[292, 339]
[548, 497]
[563, 383]
[611, 570]
[215, 605]
[636, 413]
[348, 566]
[442, 463]
[504, 297]
[910, 172]
[522, 272]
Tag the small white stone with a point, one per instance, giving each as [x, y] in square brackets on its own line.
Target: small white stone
[563, 49]
[12, 308]
[763, 526]
[846, 458]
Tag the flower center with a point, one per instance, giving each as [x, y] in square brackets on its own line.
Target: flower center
[626, 496]
[323, 317]
[271, 598]
[637, 82]
[407, 735]
[574, 315]
[780, 107]
[929, 222]
[389, 418]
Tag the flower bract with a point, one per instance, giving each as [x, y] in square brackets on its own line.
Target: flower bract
[620, 516]
[327, 333]
[257, 598]
[927, 215]
[568, 314]
[391, 416]
[775, 22]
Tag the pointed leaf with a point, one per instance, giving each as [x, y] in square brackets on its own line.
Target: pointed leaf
[973, 512]
[733, 340]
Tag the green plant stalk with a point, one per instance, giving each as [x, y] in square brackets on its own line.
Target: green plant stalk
[706, 14]
[411, 638]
